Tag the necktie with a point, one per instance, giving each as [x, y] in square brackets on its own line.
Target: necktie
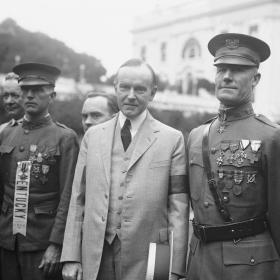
[125, 134]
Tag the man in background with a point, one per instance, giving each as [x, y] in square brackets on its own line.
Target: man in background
[12, 99]
[98, 107]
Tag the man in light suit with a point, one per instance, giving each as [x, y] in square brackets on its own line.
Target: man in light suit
[129, 189]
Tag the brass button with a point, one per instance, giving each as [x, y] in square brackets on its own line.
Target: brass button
[252, 260]
[21, 148]
[26, 131]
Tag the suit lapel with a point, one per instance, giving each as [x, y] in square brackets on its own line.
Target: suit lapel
[146, 137]
[107, 138]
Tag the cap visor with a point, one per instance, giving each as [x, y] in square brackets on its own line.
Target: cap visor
[33, 82]
[235, 61]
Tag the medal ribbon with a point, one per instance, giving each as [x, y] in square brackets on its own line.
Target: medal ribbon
[21, 197]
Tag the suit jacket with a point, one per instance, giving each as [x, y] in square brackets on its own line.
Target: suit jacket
[154, 201]
[53, 149]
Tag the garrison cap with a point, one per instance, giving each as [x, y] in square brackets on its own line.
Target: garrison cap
[32, 74]
[239, 49]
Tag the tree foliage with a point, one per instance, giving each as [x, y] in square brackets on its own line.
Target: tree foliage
[16, 42]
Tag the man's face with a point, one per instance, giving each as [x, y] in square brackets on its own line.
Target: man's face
[134, 90]
[235, 84]
[95, 111]
[12, 99]
[36, 99]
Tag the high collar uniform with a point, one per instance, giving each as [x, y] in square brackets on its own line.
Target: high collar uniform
[52, 150]
[244, 151]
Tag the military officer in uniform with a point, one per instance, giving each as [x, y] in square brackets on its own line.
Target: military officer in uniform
[37, 158]
[233, 173]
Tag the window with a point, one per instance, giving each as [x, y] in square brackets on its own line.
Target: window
[191, 49]
[163, 51]
[143, 53]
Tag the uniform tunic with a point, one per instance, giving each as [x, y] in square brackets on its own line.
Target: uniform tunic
[245, 158]
[52, 148]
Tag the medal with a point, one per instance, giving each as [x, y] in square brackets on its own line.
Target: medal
[244, 143]
[238, 177]
[39, 157]
[33, 148]
[251, 178]
[221, 129]
[220, 161]
[233, 147]
[255, 145]
[220, 174]
[237, 190]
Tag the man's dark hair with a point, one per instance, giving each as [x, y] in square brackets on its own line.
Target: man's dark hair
[139, 62]
[111, 99]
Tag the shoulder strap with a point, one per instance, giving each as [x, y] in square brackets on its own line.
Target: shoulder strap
[210, 177]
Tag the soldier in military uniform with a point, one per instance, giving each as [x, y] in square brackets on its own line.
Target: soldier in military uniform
[233, 173]
[37, 158]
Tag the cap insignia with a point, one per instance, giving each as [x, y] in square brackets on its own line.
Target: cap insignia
[232, 44]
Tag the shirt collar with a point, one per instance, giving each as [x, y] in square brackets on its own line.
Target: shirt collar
[135, 123]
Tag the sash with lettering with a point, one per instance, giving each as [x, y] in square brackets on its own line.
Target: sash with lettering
[21, 197]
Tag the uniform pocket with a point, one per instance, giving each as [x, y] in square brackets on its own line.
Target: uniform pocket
[249, 252]
[48, 209]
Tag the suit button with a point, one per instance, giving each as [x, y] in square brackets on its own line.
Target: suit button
[120, 197]
[123, 171]
[119, 212]
[252, 261]
[21, 148]
[206, 204]
[106, 196]
[103, 219]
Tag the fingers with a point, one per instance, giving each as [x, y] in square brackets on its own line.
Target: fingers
[72, 271]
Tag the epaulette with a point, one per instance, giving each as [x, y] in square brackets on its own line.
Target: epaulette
[62, 125]
[265, 120]
[210, 120]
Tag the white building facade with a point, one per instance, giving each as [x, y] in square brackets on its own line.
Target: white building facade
[174, 37]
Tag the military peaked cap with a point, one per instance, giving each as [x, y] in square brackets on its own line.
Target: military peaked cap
[31, 74]
[239, 49]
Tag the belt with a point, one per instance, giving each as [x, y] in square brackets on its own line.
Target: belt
[231, 231]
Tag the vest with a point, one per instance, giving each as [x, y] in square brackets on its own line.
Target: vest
[119, 163]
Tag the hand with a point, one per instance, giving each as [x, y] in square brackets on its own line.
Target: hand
[72, 271]
[50, 262]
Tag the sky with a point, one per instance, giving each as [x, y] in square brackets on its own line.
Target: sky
[97, 27]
